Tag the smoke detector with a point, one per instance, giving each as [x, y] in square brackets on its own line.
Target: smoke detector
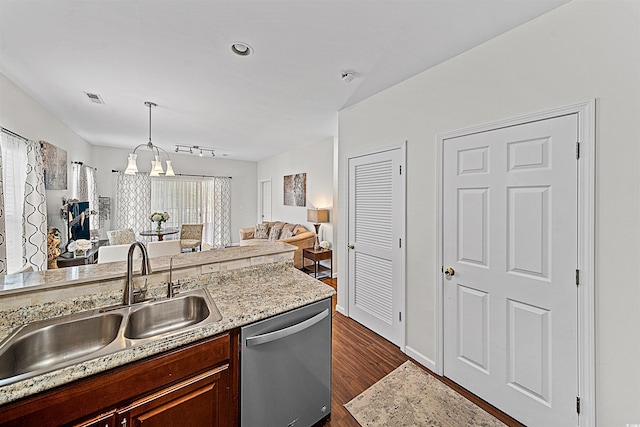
[348, 76]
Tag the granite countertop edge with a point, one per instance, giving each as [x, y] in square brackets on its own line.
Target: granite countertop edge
[239, 303]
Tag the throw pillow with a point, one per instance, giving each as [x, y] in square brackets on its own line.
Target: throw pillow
[274, 234]
[261, 231]
[288, 227]
[299, 229]
[285, 234]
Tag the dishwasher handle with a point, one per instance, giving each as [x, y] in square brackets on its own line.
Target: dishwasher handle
[282, 333]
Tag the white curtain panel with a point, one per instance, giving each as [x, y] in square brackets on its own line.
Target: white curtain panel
[35, 210]
[195, 200]
[14, 175]
[92, 197]
[3, 243]
[133, 202]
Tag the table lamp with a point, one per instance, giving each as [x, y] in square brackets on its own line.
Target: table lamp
[317, 216]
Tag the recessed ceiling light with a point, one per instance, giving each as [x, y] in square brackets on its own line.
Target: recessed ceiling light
[241, 49]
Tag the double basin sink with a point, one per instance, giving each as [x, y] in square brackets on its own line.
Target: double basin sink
[52, 344]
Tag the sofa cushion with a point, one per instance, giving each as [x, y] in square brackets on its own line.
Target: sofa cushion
[288, 227]
[274, 234]
[261, 231]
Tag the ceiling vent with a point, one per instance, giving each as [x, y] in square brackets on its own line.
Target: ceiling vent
[94, 97]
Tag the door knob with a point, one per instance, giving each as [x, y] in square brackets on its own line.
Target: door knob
[351, 246]
[449, 272]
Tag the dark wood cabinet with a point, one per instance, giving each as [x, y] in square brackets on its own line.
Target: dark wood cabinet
[192, 385]
[107, 420]
[195, 402]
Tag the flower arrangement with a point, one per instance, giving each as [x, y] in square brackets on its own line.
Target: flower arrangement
[79, 247]
[159, 218]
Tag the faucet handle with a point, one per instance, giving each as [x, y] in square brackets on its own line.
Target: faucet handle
[174, 289]
[141, 293]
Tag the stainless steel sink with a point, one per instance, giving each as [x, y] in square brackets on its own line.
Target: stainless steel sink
[56, 343]
[169, 315]
[42, 345]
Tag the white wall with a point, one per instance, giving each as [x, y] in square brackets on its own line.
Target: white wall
[316, 160]
[582, 50]
[21, 114]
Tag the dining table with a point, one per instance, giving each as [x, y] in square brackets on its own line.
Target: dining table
[160, 233]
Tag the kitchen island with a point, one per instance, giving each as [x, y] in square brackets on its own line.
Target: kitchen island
[247, 284]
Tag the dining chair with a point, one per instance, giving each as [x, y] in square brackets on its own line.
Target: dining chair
[114, 253]
[164, 248]
[191, 236]
[122, 236]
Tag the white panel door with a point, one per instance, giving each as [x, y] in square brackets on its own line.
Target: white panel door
[375, 253]
[265, 200]
[510, 237]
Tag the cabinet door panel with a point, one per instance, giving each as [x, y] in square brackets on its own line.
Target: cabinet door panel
[200, 401]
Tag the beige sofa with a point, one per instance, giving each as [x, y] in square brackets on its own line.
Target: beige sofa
[301, 237]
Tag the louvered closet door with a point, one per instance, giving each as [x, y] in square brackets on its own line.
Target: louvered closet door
[375, 228]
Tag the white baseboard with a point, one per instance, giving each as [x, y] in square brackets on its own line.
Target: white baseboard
[340, 309]
[420, 358]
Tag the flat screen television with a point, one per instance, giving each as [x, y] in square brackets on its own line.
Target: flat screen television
[78, 216]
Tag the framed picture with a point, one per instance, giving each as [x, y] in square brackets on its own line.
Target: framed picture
[295, 190]
[55, 166]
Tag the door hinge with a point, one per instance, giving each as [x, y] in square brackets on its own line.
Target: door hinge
[578, 404]
[399, 316]
[400, 169]
[400, 242]
[577, 277]
[577, 150]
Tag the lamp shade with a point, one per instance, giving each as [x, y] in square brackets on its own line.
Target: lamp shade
[169, 169]
[317, 216]
[132, 167]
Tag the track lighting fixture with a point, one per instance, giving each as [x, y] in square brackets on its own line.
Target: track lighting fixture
[189, 149]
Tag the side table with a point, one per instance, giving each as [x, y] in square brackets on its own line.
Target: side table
[318, 270]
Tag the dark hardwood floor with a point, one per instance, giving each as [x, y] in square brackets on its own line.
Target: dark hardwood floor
[361, 358]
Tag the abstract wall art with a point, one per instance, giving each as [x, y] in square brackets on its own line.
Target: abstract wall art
[55, 166]
[295, 190]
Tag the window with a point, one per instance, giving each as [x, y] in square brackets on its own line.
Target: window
[195, 200]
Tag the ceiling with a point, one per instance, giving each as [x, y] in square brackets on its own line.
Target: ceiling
[177, 54]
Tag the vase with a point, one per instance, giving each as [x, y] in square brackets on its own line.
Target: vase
[159, 227]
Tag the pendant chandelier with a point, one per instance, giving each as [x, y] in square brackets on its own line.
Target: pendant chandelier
[156, 164]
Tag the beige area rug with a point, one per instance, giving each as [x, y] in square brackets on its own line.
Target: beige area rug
[409, 396]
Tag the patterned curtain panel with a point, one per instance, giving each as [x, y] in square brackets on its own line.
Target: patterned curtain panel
[3, 243]
[133, 202]
[35, 210]
[222, 206]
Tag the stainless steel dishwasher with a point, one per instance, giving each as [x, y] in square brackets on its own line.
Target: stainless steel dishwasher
[285, 368]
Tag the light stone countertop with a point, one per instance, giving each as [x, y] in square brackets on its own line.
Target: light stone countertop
[62, 277]
[243, 296]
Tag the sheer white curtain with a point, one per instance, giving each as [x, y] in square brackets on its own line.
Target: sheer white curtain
[85, 189]
[195, 200]
[14, 176]
[24, 214]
